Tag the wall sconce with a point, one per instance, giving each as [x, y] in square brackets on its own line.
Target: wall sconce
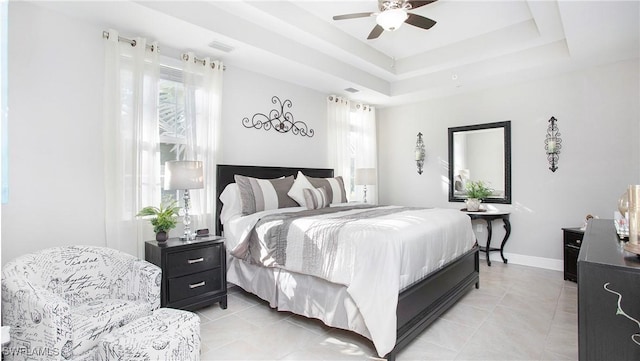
[420, 153]
[553, 144]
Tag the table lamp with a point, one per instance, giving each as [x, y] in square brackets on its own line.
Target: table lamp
[185, 175]
[365, 176]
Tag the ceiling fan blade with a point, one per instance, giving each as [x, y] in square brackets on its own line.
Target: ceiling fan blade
[377, 30]
[417, 3]
[420, 21]
[352, 16]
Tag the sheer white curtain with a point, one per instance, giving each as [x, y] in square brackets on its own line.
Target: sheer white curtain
[203, 100]
[352, 143]
[338, 128]
[131, 156]
[365, 149]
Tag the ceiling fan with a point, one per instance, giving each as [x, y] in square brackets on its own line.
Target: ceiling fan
[394, 13]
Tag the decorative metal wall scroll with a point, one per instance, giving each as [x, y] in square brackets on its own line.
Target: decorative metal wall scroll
[553, 144]
[278, 120]
[420, 153]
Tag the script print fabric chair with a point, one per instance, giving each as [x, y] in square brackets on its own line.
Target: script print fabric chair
[61, 300]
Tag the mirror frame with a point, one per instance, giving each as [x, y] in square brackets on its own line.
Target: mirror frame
[506, 126]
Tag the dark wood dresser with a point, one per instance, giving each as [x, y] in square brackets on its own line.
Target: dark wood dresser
[194, 273]
[608, 296]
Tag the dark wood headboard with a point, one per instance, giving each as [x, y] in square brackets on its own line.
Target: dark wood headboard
[225, 173]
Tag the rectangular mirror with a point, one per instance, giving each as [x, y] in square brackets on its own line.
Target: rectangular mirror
[480, 152]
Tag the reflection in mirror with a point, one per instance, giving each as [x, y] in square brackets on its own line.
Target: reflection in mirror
[480, 152]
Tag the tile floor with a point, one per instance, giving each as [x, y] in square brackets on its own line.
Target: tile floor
[519, 313]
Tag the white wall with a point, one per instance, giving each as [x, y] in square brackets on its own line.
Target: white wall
[56, 192]
[598, 112]
[247, 93]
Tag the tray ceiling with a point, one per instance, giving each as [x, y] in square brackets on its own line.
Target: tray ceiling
[474, 45]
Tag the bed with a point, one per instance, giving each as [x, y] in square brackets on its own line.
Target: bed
[419, 303]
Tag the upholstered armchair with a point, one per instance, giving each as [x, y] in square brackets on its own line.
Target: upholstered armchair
[60, 301]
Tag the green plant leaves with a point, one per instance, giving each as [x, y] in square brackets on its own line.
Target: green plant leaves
[164, 217]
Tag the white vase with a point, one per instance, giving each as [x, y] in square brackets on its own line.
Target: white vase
[473, 204]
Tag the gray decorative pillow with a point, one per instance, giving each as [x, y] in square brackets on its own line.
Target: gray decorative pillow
[335, 188]
[316, 198]
[261, 194]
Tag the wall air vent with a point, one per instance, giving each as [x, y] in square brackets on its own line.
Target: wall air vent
[221, 46]
[352, 90]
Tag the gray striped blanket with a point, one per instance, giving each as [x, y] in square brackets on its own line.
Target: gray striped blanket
[311, 237]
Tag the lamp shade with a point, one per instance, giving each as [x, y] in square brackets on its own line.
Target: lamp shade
[183, 174]
[365, 176]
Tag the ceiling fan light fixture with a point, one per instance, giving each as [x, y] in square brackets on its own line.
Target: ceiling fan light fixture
[392, 19]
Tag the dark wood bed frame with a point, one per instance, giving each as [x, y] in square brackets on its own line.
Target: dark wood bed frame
[420, 304]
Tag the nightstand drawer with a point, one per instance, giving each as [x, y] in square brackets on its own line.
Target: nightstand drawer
[573, 239]
[192, 261]
[194, 285]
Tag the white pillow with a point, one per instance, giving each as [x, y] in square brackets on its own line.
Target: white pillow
[297, 189]
[231, 205]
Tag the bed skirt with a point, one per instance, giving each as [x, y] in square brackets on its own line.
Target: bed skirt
[331, 304]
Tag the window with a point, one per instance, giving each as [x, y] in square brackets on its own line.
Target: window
[171, 121]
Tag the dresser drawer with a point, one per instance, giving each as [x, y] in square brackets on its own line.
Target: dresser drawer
[192, 261]
[195, 285]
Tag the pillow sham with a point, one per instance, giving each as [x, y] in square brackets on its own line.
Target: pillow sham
[231, 205]
[316, 198]
[335, 188]
[262, 194]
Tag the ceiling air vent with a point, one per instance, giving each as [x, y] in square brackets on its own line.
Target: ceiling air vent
[352, 90]
[221, 46]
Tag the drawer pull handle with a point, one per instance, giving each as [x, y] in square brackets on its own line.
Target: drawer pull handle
[578, 241]
[196, 285]
[192, 261]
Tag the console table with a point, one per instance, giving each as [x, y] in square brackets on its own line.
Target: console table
[489, 217]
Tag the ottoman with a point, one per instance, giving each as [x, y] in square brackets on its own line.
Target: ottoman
[167, 335]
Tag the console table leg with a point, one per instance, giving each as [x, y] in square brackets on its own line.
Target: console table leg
[488, 249]
[507, 228]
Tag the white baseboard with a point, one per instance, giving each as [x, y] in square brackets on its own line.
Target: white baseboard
[532, 261]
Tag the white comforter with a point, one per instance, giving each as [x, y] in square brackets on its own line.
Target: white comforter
[378, 257]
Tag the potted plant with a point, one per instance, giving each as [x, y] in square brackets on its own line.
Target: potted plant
[164, 218]
[476, 192]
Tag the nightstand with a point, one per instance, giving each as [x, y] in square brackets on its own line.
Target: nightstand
[194, 273]
[572, 240]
